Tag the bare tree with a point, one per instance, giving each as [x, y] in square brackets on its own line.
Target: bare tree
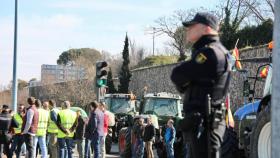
[136, 53]
[23, 95]
[5, 97]
[172, 27]
[261, 9]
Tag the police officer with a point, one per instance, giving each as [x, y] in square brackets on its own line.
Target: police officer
[206, 73]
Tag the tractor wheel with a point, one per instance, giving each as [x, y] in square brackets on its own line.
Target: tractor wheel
[125, 142]
[108, 143]
[260, 140]
[230, 144]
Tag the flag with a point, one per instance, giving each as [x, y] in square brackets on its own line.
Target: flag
[270, 45]
[235, 53]
[229, 117]
[264, 72]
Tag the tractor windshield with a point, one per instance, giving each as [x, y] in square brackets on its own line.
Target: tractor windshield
[118, 105]
[161, 106]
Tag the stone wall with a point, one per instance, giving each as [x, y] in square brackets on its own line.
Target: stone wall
[157, 78]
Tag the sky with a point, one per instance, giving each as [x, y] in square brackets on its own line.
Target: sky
[47, 28]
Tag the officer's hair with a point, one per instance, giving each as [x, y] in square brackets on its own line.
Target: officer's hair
[31, 100]
[38, 103]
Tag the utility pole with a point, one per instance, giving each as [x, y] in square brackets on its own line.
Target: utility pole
[153, 40]
[275, 109]
[155, 32]
[15, 84]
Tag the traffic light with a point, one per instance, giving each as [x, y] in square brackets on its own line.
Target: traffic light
[101, 74]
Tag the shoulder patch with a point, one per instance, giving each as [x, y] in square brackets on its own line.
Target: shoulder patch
[200, 58]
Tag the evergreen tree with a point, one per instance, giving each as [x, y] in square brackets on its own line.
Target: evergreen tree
[228, 30]
[110, 82]
[255, 35]
[124, 75]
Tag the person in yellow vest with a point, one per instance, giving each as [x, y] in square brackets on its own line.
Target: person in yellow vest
[66, 122]
[52, 129]
[18, 138]
[42, 129]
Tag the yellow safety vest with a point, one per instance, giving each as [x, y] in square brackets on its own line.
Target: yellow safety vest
[42, 122]
[52, 128]
[19, 120]
[67, 120]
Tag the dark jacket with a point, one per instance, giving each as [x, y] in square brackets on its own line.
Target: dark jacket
[149, 133]
[206, 73]
[138, 131]
[7, 122]
[80, 131]
[91, 127]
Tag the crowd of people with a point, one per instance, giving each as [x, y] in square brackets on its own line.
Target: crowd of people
[46, 129]
[144, 136]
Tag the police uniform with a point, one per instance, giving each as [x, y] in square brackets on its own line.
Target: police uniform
[207, 72]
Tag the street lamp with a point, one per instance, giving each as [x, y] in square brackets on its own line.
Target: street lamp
[15, 85]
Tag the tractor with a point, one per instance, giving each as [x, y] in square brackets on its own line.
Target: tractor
[123, 106]
[164, 106]
[159, 107]
[252, 120]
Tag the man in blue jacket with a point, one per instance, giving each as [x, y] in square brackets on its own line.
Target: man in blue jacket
[169, 138]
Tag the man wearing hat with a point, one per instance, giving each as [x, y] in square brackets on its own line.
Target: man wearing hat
[206, 73]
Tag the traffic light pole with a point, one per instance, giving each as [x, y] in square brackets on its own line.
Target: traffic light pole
[100, 79]
[98, 94]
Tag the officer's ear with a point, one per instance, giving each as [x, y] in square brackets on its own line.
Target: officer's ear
[211, 31]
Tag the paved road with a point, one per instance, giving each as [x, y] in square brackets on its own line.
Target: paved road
[113, 154]
[114, 151]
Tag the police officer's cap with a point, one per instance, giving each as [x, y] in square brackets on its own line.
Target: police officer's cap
[204, 18]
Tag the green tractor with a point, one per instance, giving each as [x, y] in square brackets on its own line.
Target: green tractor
[164, 106]
[159, 107]
[123, 106]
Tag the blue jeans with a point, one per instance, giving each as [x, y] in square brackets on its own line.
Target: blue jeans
[87, 148]
[42, 145]
[96, 145]
[169, 149]
[139, 148]
[65, 147]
